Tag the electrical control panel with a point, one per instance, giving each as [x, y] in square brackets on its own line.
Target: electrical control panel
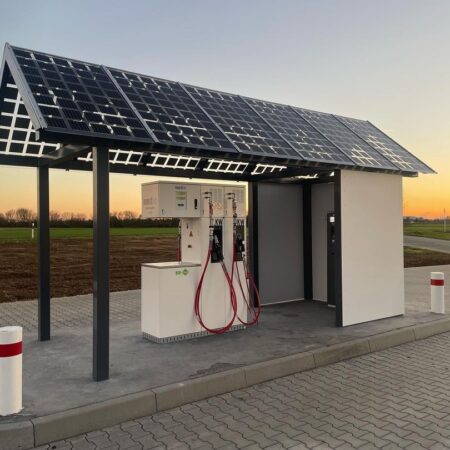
[166, 199]
[191, 200]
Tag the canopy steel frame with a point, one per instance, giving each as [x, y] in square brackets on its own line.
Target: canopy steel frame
[100, 369]
[43, 253]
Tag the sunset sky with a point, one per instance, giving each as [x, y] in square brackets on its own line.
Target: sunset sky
[382, 60]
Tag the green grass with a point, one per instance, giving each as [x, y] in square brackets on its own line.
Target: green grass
[430, 230]
[8, 234]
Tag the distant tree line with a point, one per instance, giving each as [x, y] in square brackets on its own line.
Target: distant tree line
[24, 217]
[414, 219]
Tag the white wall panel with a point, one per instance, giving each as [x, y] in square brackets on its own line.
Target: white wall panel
[372, 246]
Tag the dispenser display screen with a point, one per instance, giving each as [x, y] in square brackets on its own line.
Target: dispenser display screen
[181, 197]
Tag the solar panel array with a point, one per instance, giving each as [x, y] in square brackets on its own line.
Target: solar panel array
[169, 111]
[140, 116]
[78, 96]
[248, 132]
[386, 146]
[306, 140]
[348, 142]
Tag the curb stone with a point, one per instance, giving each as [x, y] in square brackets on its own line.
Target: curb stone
[391, 339]
[178, 394]
[430, 329]
[277, 368]
[17, 435]
[58, 426]
[341, 352]
[43, 430]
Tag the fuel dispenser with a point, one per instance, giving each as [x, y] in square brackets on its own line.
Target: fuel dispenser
[209, 320]
[208, 290]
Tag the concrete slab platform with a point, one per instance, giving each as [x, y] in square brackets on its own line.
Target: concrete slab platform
[57, 373]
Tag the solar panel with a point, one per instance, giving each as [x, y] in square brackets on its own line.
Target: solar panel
[248, 132]
[225, 166]
[79, 98]
[17, 134]
[117, 156]
[359, 151]
[163, 161]
[170, 112]
[261, 169]
[385, 145]
[306, 140]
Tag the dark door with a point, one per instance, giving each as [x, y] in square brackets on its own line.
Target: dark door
[331, 260]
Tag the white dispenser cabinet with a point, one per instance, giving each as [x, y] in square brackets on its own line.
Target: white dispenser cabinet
[167, 300]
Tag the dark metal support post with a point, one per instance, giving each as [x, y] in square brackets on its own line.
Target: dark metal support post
[307, 243]
[253, 231]
[43, 253]
[338, 248]
[101, 264]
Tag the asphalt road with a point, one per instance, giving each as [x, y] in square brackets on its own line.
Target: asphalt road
[438, 245]
[397, 398]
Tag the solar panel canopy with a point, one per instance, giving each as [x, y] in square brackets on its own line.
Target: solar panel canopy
[48, 101]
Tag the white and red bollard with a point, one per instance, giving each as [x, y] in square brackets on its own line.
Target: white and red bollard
[10, 370]
[437, 292]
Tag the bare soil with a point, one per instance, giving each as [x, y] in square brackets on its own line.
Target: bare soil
[71, 265]
[418, 257]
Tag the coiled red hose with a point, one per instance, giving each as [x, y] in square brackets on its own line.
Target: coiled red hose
[250, 286]
[233, 299]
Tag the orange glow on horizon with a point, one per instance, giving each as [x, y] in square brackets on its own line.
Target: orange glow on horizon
[425, 196]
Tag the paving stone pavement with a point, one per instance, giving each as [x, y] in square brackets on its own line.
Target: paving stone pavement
[397, 398]
[70, 311]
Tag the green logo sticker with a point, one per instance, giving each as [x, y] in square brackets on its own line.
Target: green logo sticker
[182, 272]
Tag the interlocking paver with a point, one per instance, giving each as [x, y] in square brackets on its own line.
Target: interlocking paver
[365, 403]
[70, 311]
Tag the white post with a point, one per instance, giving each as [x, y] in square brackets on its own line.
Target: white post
[10, 370]
[32, 230]
[437, 292]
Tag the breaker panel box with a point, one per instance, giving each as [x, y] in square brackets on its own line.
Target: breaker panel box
[167, 199]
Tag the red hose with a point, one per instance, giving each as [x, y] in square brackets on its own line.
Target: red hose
[250, 285]
[197, 302]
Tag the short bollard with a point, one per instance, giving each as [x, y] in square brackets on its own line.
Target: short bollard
[10, 370]
[437, 293]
